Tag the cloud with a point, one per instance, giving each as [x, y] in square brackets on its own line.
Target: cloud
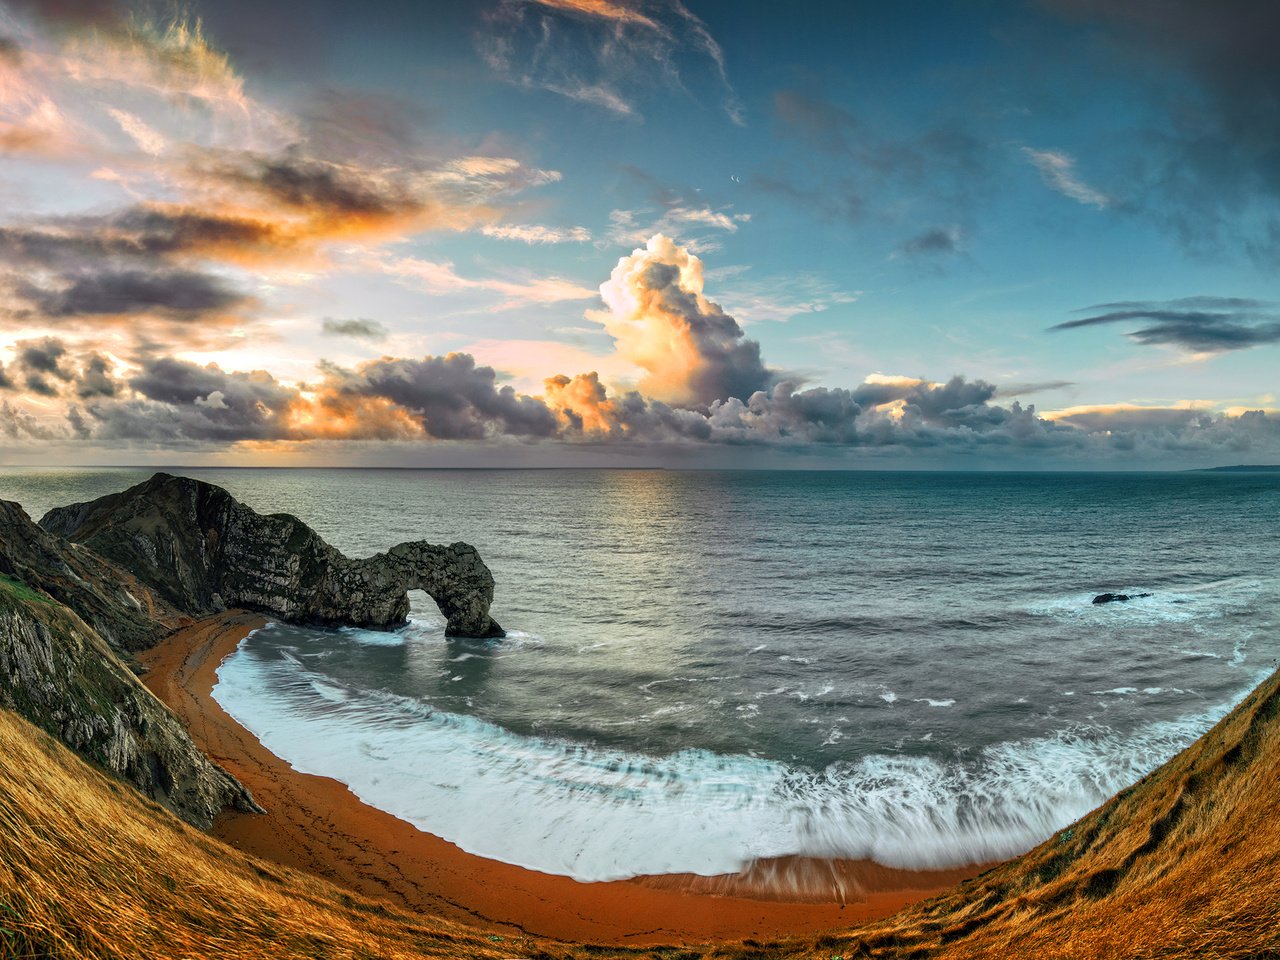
[845, 170]
[46, 368]
[1207, 168]
[42, 365]
[1058, 170]
[148, 140]
[177, 294]
[591, 51]
[1201, 325]
[360, 329]
[440, 277]
[536, 234]
[602, 9]
[779, 298]
[168, 402]
[692, 351]
[937, 241]
[452, 397]
[1025, 389]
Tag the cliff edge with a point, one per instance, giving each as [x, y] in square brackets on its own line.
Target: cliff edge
[57, 605]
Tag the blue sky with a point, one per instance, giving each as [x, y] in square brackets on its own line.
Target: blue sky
[252, 232]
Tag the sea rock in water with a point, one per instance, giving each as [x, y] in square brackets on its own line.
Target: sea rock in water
[203, 551]
[1118, 597]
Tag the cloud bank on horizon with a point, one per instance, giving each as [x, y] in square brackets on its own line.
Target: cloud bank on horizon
[204, 263]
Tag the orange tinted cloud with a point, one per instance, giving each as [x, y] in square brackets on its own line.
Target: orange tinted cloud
[692, 350]
[604, 9]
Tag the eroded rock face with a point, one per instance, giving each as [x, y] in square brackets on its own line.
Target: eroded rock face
[203, 551]
[126, 612]
[58, 603]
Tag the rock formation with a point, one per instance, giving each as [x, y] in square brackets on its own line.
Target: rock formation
[1118, 597]
[124, 611]
[203, 551]
[60, 673]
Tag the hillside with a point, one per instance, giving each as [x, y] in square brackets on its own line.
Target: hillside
[1184, 864]
[58, 670]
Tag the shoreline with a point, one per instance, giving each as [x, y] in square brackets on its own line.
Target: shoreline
[316, 824]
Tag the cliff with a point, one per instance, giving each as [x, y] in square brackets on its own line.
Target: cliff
[204, 552]
[121, 609]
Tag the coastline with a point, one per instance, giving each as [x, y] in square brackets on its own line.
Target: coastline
[316, 824]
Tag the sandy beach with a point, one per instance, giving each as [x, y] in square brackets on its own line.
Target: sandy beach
[317, 824]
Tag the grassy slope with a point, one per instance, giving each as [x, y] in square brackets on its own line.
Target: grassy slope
[1184, 864]
[89, 869]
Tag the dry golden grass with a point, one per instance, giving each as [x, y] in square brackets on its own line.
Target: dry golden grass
[1184, 864]
[89, 869]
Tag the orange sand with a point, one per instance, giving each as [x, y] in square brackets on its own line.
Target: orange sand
[317, 824]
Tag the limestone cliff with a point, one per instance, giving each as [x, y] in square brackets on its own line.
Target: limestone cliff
[56, 671]
[203, 551]
[124, 611]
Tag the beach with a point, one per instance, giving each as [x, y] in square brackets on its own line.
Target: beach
[316, 824]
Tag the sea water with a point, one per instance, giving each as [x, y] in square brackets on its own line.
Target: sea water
[706, 668]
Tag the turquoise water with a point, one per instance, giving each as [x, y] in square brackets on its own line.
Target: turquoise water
[708, 667]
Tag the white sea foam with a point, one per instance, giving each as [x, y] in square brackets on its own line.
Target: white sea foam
[599, 814]
[1181, 605]
[935, 703]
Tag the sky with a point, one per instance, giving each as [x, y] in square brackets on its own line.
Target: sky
[997, 235]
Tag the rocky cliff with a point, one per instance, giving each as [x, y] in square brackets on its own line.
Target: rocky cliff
[59, 672]
[203, 551]
[124, 611]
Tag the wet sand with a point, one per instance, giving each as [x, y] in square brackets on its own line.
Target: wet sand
[316, 824]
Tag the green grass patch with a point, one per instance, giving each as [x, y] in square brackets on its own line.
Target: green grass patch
[20, 591]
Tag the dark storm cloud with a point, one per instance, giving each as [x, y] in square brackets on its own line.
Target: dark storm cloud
[305, 184]
[139, 233]
[940, 241]
[183, 294]
[42, 366]
[359, 328]
[452, 397]
[1220, 147]
[96, 379]
[1195, 324]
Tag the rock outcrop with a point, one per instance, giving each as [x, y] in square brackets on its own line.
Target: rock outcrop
[1118, 597]
[58, 671]
[203, 551]
[124, 611]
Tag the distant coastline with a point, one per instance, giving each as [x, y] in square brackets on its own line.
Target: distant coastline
[1242, 468]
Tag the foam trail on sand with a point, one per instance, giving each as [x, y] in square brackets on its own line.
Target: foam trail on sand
[600, 814]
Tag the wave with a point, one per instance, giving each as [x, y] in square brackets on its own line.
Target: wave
[600, 814]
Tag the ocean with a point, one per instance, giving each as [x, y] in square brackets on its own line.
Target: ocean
[706, 668]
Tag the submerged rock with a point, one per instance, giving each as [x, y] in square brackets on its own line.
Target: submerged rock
[1118, 597]
[203, 551]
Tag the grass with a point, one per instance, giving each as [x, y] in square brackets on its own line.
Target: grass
[89, 870]
[20, 591]
[1184, 864]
